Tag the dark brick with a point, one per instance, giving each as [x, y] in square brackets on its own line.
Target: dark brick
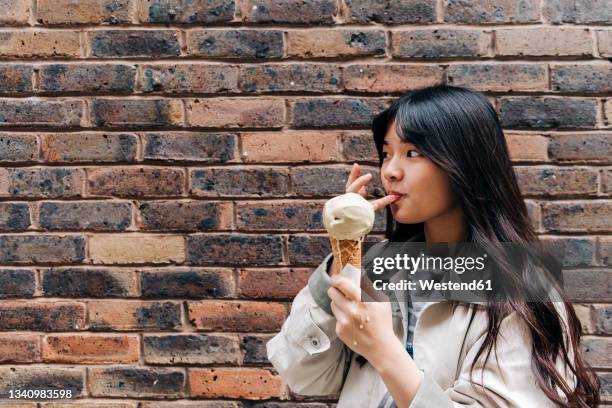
[63, 379]
[81, 282]
[41, 182]
[191, 349]
[590, 216]
[293, 216]
[359, 147]
[596, 147]
[346, 112]
[20, 147]
[547, 112]
[556, 182]
[185, 216]
[87, 78]
[236, 44]
[16, 79]
[487, 12]
[499, 77]
[440, 43]
[189, 78]
[223, 182]
[323, 181]
[17, 283]
[87, 215]
[289, 11]
[572, 252]
[587, 285]
[89, 147]
[190, 284]
[196, 146]
[136, 112]
[240, 250]
[392, 12]
[136, 382]
[317, 78]
[581, 78]
[14, 216]
[27, 249]
[186, 11]
[254, 348]
[135, 43]
[48, 317]
[578, 11]
[308, 249]
[136, 181]
[27, 112]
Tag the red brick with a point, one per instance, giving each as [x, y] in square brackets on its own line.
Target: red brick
[527, 147]
[272, 283]
[390, 77]
[19, 348]
[604, 42]
[130, 315]
[16, 12]
[551, 41]
[243, 316]
[39, 44]
[136, 181]
[89, 147]
[279, 147]
[244, 383]
[50, 12]
[91, 349]
[328, 43]
[16, 79]
[235, 112]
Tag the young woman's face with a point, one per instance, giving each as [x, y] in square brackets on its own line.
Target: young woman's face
[426, 187]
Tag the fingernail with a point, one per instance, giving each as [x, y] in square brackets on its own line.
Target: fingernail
[369, 174]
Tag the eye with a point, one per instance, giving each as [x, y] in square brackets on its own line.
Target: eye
[412, 150]
[383, 155]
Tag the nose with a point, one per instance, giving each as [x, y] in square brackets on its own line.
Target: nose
[392, 172]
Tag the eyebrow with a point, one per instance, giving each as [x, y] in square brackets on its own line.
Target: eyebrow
[401, 141]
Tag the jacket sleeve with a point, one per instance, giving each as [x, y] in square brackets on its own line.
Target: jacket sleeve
[306, 352]
[511, 383]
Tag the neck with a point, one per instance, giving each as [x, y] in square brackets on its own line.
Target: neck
[447, 227]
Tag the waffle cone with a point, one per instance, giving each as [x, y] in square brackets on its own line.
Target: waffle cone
[345, 252]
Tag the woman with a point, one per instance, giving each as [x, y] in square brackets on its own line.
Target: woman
[445, 166]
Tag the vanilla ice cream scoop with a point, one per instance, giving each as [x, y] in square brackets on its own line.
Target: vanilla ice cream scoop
[348, 216]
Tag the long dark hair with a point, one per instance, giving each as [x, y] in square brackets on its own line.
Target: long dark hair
[459, 130]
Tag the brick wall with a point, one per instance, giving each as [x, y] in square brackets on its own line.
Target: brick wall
[163, 164]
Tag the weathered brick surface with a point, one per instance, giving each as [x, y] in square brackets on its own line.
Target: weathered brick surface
[163, 165]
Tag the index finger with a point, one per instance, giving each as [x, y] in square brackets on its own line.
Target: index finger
[383, 202]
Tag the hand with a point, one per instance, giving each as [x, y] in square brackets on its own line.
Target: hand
[352, 314]
[356, 184]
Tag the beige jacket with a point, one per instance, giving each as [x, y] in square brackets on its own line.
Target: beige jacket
[312, 360]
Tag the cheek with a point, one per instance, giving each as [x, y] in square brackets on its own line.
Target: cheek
[430, 194]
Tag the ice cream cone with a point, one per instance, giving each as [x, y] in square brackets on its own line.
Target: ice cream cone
[346, 251]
